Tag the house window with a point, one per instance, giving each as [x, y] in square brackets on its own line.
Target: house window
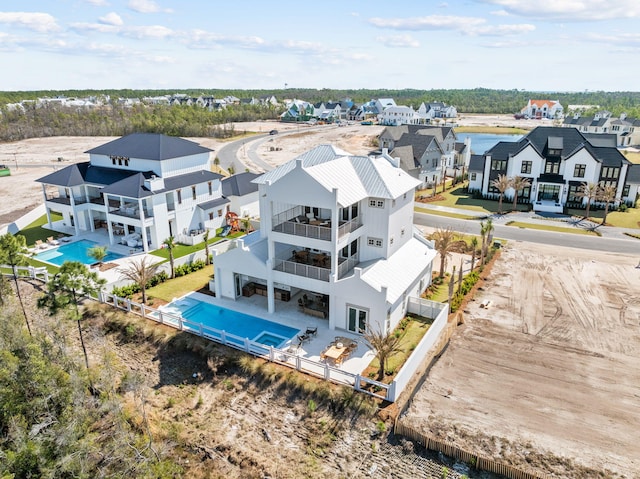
[376, 203]
[219, 212]
[377, 242]
[574, 194]
[179, 196]
[210, 188]
[552, 167]
[193, 192]
[357, 319]
[402, 232]
[498, 165]
[625, 190]
[526, 167]
[610, 172]
[579, 170]
[391, 240]
[113, 160]
[473, 177]
[210, 216]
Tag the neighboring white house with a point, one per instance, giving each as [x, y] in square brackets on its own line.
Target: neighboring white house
[142, 188]
[337, 237]
[399, 115]
[543, 109]
[557, 161]
[242, 194]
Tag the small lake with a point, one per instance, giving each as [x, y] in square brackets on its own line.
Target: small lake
[481, 142]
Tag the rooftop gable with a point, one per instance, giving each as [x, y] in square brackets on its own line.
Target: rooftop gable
[149, 146]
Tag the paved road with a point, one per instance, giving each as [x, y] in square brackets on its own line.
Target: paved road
[614, 245]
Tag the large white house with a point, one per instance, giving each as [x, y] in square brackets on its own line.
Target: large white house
[557, 161]
[141, 188]
[336, 237]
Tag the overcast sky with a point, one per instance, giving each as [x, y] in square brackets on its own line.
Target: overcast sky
[541, 45]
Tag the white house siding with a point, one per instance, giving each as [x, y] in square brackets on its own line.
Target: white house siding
[185, 164]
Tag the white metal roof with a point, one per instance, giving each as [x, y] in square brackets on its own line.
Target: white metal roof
[400, 270]
[355, 177]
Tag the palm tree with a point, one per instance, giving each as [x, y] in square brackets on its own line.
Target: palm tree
[206, 246]
[98, 253]
[170, 244]
[385, 345]
[518, 183]
[486, 231]
[606, 194]
[12, 252]
[140, 273]
[474, 245]
[588, 191]
[444, 240]
[67, 288]
[502, 183]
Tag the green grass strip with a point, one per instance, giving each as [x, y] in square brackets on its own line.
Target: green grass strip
[558, 229]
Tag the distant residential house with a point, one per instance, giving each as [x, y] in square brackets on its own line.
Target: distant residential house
[551, 109]
[557, 161]
[249, 101]
[434, 110]
[242, 193]
[142, 188]
[425, 152]
[399, 115]
[298, 110]
[627, 130]
[268, 100]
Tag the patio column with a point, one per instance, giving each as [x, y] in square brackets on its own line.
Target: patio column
[44, 193]
[73, 211]
[145, 244]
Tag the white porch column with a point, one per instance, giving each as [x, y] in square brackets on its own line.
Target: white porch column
[145, 245]
[74, 213]
[218, 284]
[46, 208]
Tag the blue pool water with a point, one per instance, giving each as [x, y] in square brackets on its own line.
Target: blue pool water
[76, 251]
[238, 324]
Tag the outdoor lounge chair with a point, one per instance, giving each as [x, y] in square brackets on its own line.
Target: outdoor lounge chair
[52, 241]
[39, 244]
[302, 338]
[311, 331]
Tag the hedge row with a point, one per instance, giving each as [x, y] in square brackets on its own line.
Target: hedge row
[129, 290]
[467, 283]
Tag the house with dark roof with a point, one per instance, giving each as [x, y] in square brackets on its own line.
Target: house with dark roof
[141, 188]
[557, 161]
[425, 152]
[242, 194]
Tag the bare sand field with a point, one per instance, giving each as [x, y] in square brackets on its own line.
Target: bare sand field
[548, 375]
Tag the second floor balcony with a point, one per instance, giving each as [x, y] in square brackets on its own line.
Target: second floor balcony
[314, 265]
[295, 222]
[130, 211]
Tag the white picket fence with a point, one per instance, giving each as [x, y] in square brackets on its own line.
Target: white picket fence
[32, 272]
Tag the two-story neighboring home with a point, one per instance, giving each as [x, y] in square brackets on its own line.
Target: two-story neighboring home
[298, 110]
[627, 130]
[143, 186]
[598, 123]
[430, 111]
[425, 152]
[337, 230]
[543, 109]
[242, 194]
[399, 115]
[557, 161]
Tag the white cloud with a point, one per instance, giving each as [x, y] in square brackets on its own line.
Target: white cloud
[39, 22]
[624, 39]
[95, 27]
[432, 22]
[205, 39]
[571, 10]
[150, 31]
[467, 25]
[402, 41]
[146, 6]
[111, 19]
[500, 13]
[98, 3]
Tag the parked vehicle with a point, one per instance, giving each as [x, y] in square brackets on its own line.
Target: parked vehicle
[273, 132]
[4, 170]
[366, 122]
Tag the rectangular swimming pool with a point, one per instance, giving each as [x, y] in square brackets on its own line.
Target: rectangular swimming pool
[76, 251]
[239, 324]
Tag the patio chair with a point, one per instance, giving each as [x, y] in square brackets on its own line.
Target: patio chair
[302, 338]
[52, 241]
[39, 244]
[311, 331]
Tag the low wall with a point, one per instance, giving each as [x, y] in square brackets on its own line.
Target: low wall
[23, 221]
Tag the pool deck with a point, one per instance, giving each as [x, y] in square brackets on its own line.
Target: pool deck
[287, 313]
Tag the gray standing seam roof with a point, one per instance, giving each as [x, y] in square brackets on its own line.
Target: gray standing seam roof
[633, 174]
[149, 146]
[240, 184]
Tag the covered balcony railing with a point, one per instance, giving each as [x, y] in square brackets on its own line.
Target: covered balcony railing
[295, 222]
[130, 211]
[62, 200]
[315, 265]
[301, 269]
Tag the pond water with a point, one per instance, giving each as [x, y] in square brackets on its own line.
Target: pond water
[481, 142]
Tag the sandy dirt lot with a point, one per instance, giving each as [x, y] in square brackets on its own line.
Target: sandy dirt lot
[550, 368]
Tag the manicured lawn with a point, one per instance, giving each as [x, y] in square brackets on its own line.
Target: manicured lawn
[559, 229]
[628, 219]
[35, 231]
[458, 198]
[183, 249]
[444, 213]
[413, 333]
[175, 288]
